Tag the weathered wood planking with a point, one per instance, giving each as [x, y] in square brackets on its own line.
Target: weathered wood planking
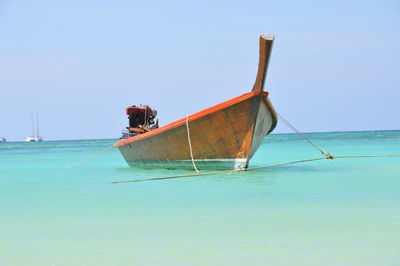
[223, 136]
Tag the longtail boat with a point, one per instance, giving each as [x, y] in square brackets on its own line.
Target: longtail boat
[224, 136]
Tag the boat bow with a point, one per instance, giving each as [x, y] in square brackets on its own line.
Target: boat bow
[224, 136]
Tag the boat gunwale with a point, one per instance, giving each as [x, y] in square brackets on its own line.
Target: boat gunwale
[192, 117]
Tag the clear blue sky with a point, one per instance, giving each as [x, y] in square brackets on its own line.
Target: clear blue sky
[335, 64]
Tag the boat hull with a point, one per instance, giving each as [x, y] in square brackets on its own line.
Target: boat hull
[224, 136]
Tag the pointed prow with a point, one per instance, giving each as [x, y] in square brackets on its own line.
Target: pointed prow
[266, 42]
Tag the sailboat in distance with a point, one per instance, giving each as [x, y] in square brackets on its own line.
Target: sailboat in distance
[32, 138]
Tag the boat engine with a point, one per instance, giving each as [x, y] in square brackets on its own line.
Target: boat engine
[141, 120]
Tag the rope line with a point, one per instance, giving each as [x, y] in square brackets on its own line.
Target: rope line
[366, 156]
[325, 153]
[90, 158]
[190, 144]
[257, 167]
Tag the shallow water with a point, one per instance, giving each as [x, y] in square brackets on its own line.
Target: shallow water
[340, 212]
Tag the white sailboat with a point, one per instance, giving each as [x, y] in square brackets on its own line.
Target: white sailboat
[32, 138]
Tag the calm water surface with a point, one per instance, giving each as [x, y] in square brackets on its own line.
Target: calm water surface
[340, 212]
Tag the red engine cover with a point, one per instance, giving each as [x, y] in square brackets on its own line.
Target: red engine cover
[144, 109]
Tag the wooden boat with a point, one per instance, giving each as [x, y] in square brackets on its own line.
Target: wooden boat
[224, 136]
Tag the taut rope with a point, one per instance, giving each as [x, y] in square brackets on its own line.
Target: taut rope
[325, 153]
[91, 157]
[254, 168]
[190, 144]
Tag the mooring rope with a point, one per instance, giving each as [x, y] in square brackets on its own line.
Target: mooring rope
[254, 168]
[325, 153]
[190, 144]
[91, 157]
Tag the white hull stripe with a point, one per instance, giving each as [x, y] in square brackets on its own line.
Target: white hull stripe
[241, 160]
[238, 162]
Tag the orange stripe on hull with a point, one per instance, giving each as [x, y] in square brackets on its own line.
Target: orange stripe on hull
[221, 137]
[192, 117]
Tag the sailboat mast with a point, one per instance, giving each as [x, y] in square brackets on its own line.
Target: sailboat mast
[37, 125]
[33, 133]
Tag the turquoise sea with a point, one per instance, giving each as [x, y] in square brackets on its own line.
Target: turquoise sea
[329, 212]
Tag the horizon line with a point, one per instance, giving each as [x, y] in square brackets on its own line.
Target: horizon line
[283, 133]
